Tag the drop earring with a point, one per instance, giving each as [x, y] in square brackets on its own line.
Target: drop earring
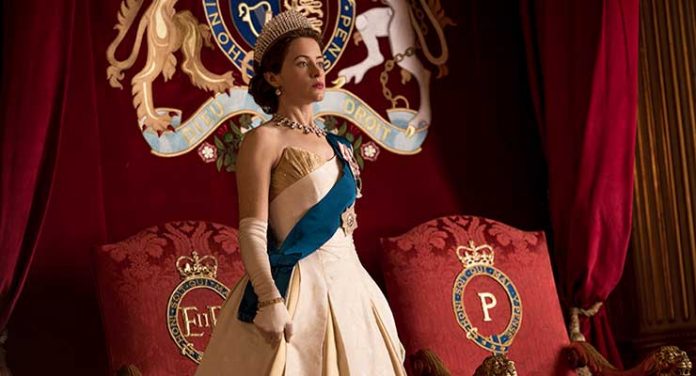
[278, 91]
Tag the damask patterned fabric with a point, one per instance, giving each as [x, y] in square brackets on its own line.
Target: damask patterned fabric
[136, 277]
[420, 270]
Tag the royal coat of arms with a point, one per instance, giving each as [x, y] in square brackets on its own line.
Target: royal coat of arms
[168, 34]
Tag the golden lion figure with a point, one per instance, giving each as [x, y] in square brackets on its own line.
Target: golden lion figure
[167, 32]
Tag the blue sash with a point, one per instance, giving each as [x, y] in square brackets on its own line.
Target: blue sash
[314, 229]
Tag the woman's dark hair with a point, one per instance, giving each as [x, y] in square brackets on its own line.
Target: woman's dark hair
[272, 61]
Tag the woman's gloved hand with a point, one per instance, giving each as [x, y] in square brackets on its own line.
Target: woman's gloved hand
[273, 322]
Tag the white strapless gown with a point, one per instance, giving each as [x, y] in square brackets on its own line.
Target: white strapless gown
[342, 322]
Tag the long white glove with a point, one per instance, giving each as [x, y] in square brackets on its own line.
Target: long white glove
[272, 320]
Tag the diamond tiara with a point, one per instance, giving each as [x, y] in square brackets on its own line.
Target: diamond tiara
[280, 24]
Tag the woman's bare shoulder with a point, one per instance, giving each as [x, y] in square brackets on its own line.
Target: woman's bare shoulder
[262, 141]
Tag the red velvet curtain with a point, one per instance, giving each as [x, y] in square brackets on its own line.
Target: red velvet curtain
[28, 151]
[47, 138]
[582, 59]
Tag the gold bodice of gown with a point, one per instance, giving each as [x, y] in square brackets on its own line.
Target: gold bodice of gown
[294, 164]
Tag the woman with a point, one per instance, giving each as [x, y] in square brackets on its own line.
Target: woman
[306, 306]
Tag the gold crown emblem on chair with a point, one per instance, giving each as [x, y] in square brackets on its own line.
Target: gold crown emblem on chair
[475, 255]
[195, 266]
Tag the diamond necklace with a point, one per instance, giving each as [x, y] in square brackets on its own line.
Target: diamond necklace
[281, 120]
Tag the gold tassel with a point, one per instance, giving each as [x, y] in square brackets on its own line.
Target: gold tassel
[496, 365]
[426, 363]
[129, 370]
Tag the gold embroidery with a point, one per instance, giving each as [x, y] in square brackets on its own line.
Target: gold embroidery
[295, 163]
[164, 30]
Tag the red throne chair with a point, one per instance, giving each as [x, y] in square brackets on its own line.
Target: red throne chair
[160, 291]
[472, 296]
[468, 287]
